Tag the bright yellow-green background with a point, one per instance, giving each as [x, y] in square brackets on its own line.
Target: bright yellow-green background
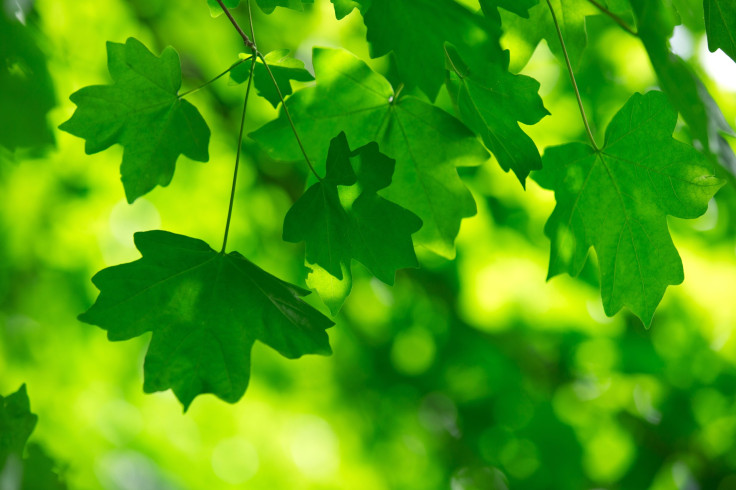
[468, 374]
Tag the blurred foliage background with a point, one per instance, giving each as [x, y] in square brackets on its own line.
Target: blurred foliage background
[469, 374]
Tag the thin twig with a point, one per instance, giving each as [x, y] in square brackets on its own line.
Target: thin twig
[184, 94]
[237, 156]
[618, 20]
[572, 77]
[250, 44]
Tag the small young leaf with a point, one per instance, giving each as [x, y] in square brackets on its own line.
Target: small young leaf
[617, 200]
[355, 224]
[144, 113]
[284, 69]
[205, 309]
[491, 101]
[426, 142]
[720, 25]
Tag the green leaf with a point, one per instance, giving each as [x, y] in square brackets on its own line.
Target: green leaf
[26, 89]
[426, 142]
[39, 471]
[205, 309]
[267, 6]
[16, 424]
[144, 113]
[519, 7]
[417, 30]
[617, 200]
[491, 101]
[720, 25]
[686, 92]
[344, 7]
[342, 217]
[538, 25]
[284, 69]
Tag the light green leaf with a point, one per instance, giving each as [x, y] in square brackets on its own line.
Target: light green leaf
[426, 142]
[341, 218]
[267, 6]
[491, 101]
[720, 25]
[284, 69]
[617, 201]
[144, 113]
[205, 309]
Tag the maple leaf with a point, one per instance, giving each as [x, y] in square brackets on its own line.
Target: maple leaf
[284, 69]
[419, 50]
[205, 309]
[491, 101]
[144, 113]
[354, 224]
[616, 200]
[720, 25]
[686, 92]
[425, 141]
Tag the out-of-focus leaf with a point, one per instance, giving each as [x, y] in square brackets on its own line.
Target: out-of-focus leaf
[26, 89]
[144, 113]
[267, 6]
[205, 309]
[720, 24]
[426, 142]
[616, 200]
[16, 424]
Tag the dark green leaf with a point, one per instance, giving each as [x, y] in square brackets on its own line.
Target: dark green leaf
[342, 217]
[417, 30]
[144, 113]
[519, 7]
[426, 142]
[16, 424]
[344, 7]
[26, 89]
[205, 309]
[491, 101]
[655, 24]
[284, 69]
[617, 200]
[720, 24]
[267, 6]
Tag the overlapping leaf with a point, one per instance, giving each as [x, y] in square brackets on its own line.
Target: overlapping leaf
[205, 309]
[143, 112]
[417, 30]
[720, 25]
[355, 224]
[26, 89]
[491, 101]
[426, 142]
[617, 200]
[684, 89]
[284, 68]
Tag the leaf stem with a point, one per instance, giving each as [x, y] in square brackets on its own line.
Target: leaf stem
[191, 91]
[572, 78]
[237, 156]
[246, 40]
[618, 20]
